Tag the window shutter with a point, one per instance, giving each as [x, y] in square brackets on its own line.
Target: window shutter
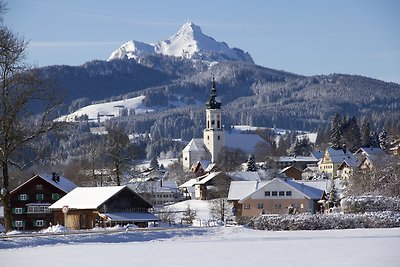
[13, 223]
[13, 210]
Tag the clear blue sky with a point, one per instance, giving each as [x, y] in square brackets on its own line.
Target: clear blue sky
[305, 37]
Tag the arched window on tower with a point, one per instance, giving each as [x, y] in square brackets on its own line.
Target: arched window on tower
[218, 124]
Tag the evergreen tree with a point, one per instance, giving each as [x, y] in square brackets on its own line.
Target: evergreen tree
[366, 135]
[154, 163]
[336, 132]
[333, 197]
[301, 147]
[383, 139]
[352, 136]
[251, 163]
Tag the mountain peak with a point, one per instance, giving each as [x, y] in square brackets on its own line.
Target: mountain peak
[190, 27]
[189, 42]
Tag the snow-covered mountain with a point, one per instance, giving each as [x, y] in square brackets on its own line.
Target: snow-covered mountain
[189, 42]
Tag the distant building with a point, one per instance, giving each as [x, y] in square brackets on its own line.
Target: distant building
[158, 192]
[215, 138]
[332, 159]
[31, 200]
[300, 162]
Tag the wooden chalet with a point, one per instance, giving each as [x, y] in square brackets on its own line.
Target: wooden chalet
[87, 207]
[31, 200]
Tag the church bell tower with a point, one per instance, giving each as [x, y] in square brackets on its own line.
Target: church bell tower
[214, 133]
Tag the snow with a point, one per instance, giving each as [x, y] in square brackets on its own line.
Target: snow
[189, 42]
[202, 208]
[218, 246]
[109, 109]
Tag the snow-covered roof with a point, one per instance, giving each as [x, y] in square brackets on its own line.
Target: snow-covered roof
[87, 197]
[210, 167]
[60, 182]
[189, 183]
[154, 186]
[241, 189]
[287, 168]
[309, 191]
[246, 142]
[317, 154]
[369, 151]
[338, 156]
[131, 217]
[244, 176]
[295, 159]
[206, 178]
[325, 184]
[196, 144]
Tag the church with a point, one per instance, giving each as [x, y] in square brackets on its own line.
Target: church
[214, 139]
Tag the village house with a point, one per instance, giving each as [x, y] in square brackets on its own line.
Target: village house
[347, 167]
[310, 172]
[209, 186]
[291, 172]
[157, 191]
[87, 207]
[300, 162]
[31, 200]
[278, 196]
[332, 159]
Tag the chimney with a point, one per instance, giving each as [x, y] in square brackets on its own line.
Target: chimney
[160, 182]
[54, 176]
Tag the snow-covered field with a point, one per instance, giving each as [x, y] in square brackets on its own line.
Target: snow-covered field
[217, 246]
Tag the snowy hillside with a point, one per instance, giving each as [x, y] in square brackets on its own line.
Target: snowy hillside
[108, 110]
[189, 42]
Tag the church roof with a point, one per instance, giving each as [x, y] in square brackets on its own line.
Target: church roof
[196, 144]
[246, 142]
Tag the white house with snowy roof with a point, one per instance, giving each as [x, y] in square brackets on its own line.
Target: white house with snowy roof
[215, 138]
[252, 198]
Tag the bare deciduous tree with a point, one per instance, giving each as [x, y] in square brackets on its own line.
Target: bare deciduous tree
[21, 90]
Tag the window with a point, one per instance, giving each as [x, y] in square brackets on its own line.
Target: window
[274, 193]
[267, 193]
[55, 196]
[278, 206]
[246, 206]
[260, 206]
[219, 137]
[39, 223]
[288, 193]
[281, 193]
[18, 210]
[38, 209]
[39, 197]
[218, 124]
[212, 122]
[39, 187]
[18, 224]
[23, 197]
